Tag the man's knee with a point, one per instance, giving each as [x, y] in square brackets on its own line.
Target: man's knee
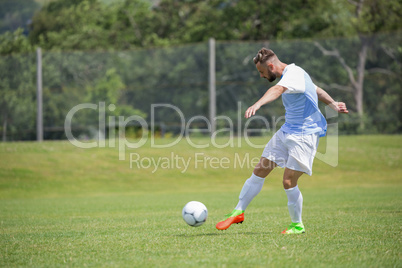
[264, 167]
[290, 178]
[288, 183]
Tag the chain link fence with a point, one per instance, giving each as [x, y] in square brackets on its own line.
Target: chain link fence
[137, 83]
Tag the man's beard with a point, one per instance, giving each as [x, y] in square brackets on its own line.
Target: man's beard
[271, 76]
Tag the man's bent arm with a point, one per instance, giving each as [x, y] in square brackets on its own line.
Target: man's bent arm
[272, 94]
[323, 96]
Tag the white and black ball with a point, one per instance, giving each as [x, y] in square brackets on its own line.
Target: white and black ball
[195, 213]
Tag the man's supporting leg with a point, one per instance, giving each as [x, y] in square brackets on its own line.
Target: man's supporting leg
[295, 200]
[295, 203]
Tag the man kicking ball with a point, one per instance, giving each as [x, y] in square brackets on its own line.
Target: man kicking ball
[294, 145]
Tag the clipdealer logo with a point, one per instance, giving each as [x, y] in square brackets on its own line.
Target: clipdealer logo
[329, 156]
[196, 161]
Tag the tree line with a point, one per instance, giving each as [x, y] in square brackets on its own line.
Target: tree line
[95, 47]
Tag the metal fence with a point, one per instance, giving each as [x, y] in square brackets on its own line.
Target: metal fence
[197, 82]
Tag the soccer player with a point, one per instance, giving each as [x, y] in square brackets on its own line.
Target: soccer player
[294, 145]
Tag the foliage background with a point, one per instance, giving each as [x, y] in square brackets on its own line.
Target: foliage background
[136, 53]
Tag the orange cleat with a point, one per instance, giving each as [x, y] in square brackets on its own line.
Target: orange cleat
[232, 218]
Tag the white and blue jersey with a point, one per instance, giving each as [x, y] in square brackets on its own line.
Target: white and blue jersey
[303, 117]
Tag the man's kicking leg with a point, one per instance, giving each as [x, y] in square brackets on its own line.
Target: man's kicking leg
[250, 189]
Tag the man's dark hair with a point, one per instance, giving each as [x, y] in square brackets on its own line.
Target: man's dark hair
[263, 55]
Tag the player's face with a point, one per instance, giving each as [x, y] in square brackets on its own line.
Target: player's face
[265, 72]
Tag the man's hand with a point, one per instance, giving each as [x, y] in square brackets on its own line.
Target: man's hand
[323, 96]
[340, 107]
[251, 110]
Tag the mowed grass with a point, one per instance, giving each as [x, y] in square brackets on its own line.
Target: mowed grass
[65, 206]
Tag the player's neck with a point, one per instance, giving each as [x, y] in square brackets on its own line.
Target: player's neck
[281, 68]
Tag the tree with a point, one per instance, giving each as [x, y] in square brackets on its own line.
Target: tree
[369, 17]
[16, 87]
[71, 25]
[16, 14]
[95, 51]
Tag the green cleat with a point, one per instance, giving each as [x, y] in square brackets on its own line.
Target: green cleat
[295, 228]
[234, 213]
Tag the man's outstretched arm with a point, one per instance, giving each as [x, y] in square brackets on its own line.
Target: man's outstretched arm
[323, 96]
[272, 94]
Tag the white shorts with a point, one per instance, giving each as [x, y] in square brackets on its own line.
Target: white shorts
[292, 151]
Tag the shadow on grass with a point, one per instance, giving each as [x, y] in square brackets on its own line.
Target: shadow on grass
[219, 233]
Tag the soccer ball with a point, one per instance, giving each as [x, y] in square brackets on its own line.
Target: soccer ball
[195, 213]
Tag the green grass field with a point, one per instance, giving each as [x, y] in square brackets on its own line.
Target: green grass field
[65, 206]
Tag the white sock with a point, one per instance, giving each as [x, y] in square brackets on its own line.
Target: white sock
[295, 203]
[250, 189]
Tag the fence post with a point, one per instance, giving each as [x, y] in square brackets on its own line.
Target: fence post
[212, 85]
[39, 115]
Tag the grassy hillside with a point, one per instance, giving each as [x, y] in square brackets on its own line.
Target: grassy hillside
[61, 205]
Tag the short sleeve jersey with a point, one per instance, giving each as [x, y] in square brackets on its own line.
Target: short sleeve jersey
[302, 116]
